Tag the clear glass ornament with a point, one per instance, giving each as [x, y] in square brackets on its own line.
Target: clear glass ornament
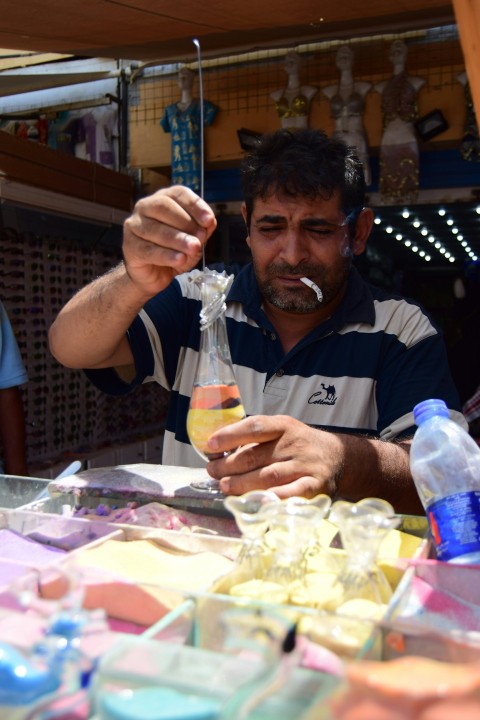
[266, 642]
[249, 511]
[215, 400]
[363, 526]
[292, 524]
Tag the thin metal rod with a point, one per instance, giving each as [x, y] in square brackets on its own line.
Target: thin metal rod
[202, 131]
[196, 42]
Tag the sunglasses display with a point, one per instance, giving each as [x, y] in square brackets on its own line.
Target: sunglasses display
[64, 412]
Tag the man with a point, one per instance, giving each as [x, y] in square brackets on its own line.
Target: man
[329, 380]
[12, 420]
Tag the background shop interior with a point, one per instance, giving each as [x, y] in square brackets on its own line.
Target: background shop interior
[62, 207]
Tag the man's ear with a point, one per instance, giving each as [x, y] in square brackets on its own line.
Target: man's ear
[244, 215]
[363, 228]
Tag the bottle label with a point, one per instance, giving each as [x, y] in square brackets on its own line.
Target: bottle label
[455, 524]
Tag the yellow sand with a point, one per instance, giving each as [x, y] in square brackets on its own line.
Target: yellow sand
[121, 577]
[201, 423]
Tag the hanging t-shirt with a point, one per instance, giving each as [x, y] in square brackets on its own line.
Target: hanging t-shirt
[65, 132]
[100, 126]
[184, 125]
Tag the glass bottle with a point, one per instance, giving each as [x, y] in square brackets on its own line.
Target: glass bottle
[215, 400]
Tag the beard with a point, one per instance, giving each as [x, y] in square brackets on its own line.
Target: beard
[303, 299]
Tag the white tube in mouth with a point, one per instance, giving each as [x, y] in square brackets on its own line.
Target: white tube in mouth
[314, 287]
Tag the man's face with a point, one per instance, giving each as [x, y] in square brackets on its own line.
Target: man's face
[292, 238]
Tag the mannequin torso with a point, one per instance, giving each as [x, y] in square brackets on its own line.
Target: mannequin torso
[470, 145]
[399, 154]
[347, 100]
[292, 103]
[399, 100]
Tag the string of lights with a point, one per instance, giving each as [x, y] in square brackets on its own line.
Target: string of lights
[432, 232]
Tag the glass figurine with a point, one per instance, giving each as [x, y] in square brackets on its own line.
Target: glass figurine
[249, 511]
[292, 524]
[363, 526]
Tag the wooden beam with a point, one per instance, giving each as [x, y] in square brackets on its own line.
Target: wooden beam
[467, 13]
[21, 60]
[31, 163]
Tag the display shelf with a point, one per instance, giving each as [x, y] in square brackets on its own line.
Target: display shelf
[184, 629]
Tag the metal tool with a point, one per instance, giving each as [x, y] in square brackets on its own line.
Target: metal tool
[196, 42]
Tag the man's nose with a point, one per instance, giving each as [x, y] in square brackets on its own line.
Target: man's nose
[293, 248]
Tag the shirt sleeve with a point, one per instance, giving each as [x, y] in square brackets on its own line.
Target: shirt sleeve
[411, 375]
[165, 120]
[107, 379]
[209, 112]
[155, 338]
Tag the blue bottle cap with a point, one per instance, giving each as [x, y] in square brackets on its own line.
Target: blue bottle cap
[21, 683]
[428, 408]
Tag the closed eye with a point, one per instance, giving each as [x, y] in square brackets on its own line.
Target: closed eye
[271, 230]
[315, 228]
[321, 230]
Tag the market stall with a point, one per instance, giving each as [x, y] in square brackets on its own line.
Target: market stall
[274, 609]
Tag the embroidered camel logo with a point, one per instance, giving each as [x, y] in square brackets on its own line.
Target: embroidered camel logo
[326, 396]
[330, 390]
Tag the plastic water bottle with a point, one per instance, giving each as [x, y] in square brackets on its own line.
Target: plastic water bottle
[445, 465]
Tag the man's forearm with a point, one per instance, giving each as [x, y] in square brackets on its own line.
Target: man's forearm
[90, 330]
[378, 468]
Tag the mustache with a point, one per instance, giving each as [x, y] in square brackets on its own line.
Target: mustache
[302, 268]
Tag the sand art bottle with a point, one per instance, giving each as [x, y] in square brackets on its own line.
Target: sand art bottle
[215, 400]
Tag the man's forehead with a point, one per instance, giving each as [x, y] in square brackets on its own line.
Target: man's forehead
[296, 207]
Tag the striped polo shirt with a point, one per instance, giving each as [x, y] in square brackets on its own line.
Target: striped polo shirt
[361, 371]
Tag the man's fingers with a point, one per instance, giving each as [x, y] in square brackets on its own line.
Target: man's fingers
[261, 477]
[306, 486]
[174, 219]
[255, 429]
[148, 233]
[175, 249]
[193, 204]
[180, 208]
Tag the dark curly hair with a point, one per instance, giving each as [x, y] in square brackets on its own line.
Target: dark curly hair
[303, 163]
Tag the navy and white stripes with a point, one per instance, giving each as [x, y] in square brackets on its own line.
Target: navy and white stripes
[363, 370]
